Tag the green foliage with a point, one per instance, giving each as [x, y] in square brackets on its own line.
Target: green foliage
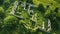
[11, 1]
[7, 12]
[10, 20]
[47, 14]
[6, 4]
[10, 23]
[57, 1]
[46, 9]
[2, 14]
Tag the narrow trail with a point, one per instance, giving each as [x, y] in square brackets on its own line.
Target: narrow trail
[14, 10]
[30, 5]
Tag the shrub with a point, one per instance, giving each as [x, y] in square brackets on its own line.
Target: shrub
[10, 23]
[10, 20]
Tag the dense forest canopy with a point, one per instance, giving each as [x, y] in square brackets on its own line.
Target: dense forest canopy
[29, 16]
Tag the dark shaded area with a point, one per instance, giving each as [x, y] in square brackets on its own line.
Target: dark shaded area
[47, 6]
[54, 21]
[11, 1]
[51, 3]
[31, 13]
[6, 5]
[29, 1]
[33, 23]
[22, 28]
[2, 15]
[41, 8]
[1, 2]
[1, 26]
[54, 25]
[56, 9]
[42, 30]
[10, 27]
[27, 6]
[20, 0]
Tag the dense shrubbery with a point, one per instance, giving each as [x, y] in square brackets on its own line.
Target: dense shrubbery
[10, 24]
[10, 20]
